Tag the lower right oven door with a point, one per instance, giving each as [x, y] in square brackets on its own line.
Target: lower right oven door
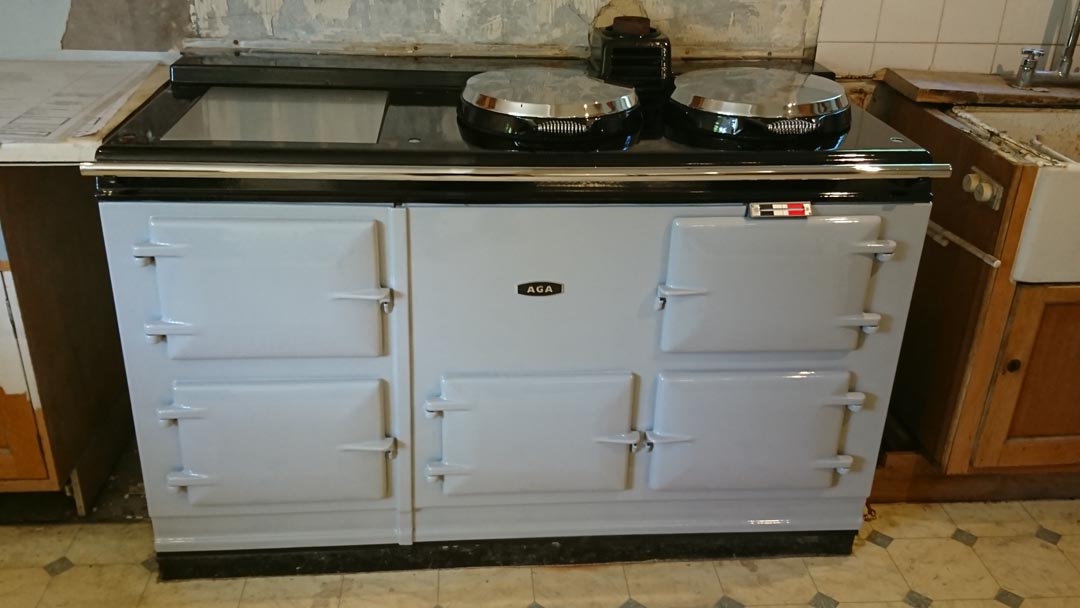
[750, 430]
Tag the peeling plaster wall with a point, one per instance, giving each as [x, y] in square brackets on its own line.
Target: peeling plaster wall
[719, 28]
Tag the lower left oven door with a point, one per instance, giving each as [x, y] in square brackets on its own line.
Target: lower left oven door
[279, 441]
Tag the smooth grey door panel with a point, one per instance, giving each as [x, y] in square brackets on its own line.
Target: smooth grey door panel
[253, 287]
[738, 284]
[534, 433]
[749, 430]
[272, 442]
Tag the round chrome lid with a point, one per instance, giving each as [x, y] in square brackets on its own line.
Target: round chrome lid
[546, 93]
[759, 93]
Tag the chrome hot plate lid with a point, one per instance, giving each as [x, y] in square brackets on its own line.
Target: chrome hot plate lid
[759, 93]
[538, 92]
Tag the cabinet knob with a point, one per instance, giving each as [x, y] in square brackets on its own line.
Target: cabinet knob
[1013, 365]
[984, 192]
[971, 181]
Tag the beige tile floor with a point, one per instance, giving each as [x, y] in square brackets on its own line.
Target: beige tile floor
[976, 555]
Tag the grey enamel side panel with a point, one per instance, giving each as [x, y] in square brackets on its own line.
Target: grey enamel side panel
[254, 287]
[249, 443]
[534, 434]
[747, 430]
[738, 284]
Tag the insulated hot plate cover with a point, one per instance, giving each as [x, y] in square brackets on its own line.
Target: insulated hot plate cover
[760, 105]
[548, 108]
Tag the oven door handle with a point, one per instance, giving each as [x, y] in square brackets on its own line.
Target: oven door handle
[663, 292]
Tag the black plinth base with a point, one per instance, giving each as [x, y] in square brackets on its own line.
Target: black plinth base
[517, 552]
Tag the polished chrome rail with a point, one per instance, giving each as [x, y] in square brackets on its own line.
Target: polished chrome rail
[851, 171]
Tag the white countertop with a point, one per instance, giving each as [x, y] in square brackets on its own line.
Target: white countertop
[57, 112]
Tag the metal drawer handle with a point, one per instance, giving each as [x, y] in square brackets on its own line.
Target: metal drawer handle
[943, 237]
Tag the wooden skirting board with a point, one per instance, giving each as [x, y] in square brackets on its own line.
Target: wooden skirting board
[910, 477]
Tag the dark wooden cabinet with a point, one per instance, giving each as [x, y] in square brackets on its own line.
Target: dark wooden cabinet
[989, 376]
[65, 414]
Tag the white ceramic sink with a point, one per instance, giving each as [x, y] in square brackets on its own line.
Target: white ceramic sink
[1049, 250]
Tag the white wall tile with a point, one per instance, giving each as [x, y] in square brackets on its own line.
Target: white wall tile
[909, 20]
[849, 21]
[1031, 21]
[971, 20]
[975, 58]
[903, 55]
[846, 58]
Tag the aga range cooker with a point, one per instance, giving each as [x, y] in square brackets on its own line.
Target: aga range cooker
[383, 302]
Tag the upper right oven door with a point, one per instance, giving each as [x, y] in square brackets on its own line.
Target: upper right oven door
[769, 285]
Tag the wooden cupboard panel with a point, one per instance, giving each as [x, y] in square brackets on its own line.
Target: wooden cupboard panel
[1049, 401]
[1032, 416]
[20, 452]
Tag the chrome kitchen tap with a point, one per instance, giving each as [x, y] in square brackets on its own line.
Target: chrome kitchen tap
[1028, 74]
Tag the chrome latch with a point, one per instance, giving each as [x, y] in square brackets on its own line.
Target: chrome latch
[383, 295]
[854, 401]
[883, 249]
[387, 445]
[434, 408]
[841, 463]
[663, 292]
[654, 438]
[630, 438]
[173, 414]
[176, 481]
[145, 252]
[780, 210]
[868, 322]
[437, 471]
[157, 330]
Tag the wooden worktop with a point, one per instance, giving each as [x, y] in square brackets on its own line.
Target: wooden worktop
[974, 89]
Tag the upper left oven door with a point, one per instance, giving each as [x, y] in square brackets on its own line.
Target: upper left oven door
[247, 287]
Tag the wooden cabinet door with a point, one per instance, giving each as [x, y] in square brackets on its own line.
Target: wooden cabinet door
[1033, 415]
[20, 450]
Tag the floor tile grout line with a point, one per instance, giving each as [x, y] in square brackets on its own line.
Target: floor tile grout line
[626, 579]
[438, 586]
[896, 566]
[806, 567]
[716, 573]
[532, 582]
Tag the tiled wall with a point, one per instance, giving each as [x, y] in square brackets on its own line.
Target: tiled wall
[859, 37]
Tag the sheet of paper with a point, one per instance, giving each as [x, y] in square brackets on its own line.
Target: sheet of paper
[48, 101]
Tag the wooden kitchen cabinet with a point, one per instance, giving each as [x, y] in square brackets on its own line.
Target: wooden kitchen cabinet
[989, 376]
[64, 411]
[1033, 412]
